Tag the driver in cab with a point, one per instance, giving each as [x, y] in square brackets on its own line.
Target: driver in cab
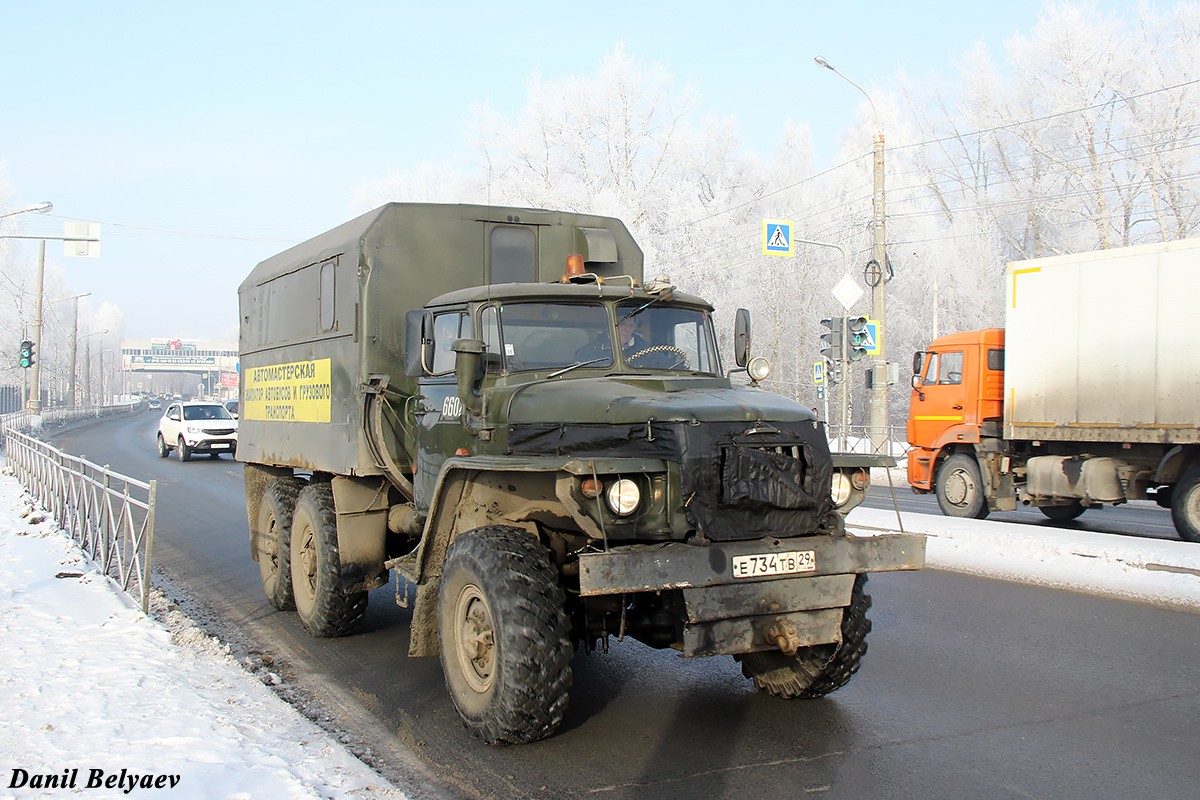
[631, 342]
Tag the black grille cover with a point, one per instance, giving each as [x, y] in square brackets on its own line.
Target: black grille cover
[739, 481]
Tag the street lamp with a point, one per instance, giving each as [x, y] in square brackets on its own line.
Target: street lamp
[87, 363]
[35, 397]
[38, 208]
[877, 278]
[35, 393]
[74, 339]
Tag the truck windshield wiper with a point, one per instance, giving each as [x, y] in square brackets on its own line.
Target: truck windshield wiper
[667, 295]
[576, 365]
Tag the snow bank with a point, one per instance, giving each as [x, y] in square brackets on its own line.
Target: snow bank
[1165, 573]
[95, 691]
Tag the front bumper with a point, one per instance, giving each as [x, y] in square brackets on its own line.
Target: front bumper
[224, 444]
[726, 614]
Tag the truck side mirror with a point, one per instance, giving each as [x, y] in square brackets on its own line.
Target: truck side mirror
[741, 337]
[918, 362]
[468, 365]
[418, 342]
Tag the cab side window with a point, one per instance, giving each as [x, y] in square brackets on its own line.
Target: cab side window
[950, 368]
[447, 328]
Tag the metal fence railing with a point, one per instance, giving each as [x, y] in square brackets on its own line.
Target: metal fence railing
[110, 515]
[892, 440]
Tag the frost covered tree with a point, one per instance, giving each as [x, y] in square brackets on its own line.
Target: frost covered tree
[1086, 135]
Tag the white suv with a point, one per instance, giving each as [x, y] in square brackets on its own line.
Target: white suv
[189, 428]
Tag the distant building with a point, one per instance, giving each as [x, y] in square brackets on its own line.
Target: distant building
[164, 365]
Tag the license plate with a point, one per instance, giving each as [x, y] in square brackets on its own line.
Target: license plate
[774, 564]
[220, 445]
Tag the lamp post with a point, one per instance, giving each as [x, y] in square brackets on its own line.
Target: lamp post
[87, 363]
[35, 395]
[35, 392]
[878, 401]
[74, 340]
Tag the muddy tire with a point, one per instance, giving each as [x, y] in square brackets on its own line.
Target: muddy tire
[504, 634]
[1185, 505]
[324, 609]
[960, 488]
[1063, 513]
[274, 540]
[818, 670]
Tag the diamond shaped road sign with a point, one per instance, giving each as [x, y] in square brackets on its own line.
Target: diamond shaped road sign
[847, 292]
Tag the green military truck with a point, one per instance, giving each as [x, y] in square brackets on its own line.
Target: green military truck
[548, 452]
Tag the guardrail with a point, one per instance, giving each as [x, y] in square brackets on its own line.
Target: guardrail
[110, 515]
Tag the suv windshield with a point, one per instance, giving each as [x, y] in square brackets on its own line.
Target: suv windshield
[205, 412]
[538, 336]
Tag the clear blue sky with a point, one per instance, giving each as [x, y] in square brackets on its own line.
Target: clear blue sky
[207, 136]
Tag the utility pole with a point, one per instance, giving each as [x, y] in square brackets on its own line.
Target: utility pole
[877, 277]
[35, 397]
[879, 386]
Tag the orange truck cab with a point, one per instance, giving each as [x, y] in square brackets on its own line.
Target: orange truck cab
[957, 397]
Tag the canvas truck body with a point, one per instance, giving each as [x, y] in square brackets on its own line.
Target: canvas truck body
[1092, 394]
[547, 451]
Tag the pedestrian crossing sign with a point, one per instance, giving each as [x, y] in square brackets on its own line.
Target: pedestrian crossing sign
[871, 337]
[777, 237]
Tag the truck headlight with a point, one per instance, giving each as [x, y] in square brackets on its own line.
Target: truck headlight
[623, 497]
[840, 490]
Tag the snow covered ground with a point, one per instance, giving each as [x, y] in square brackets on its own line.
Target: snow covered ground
[99, 698]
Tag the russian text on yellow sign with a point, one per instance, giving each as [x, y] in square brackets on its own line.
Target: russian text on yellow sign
[297, 392]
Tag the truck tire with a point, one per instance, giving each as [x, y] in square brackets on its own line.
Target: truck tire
[1185, 505]
[504, 635]
[274, 540]
[818, 670]
[1064, 513]
[960, 488]
[324, 609]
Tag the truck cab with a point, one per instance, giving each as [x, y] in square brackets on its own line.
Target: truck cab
[957, 397]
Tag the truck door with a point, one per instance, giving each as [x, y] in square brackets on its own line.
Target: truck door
[440, 430]
[941, 402]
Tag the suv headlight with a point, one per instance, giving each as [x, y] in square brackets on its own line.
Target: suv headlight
[623, 497]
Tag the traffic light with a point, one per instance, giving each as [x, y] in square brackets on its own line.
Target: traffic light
[26, 354]
[832, 338]
[856, 345]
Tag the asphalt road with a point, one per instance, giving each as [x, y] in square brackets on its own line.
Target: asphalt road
[971, 687]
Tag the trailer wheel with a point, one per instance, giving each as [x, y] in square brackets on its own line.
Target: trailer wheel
[818, 670]
[1064, 513]
[960, 488]
[504, 635]
[1185, 505]
[274, 540]
[316, 568]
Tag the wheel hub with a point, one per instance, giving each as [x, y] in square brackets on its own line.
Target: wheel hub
[476, 639]
[958, 488]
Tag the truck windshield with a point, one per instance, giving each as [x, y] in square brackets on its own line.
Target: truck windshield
[553, 336]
